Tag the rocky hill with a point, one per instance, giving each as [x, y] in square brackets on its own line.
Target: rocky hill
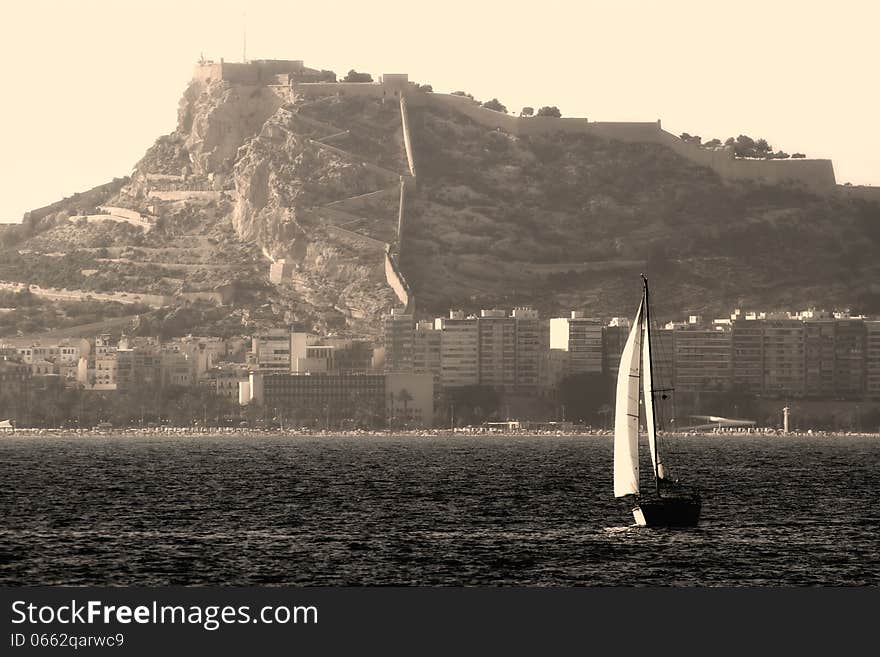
[568, 221]
[257, 172]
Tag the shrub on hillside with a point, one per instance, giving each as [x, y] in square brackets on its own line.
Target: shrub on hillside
[550, 111]
[354, 76]
[495, 105]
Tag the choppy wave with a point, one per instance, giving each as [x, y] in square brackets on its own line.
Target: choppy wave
[435, 511]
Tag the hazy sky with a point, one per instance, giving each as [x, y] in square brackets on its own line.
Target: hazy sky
[89, 84]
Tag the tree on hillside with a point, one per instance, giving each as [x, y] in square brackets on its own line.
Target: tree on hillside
[496, 105]
[354, 76]
[744, 146]
[426, 87]
[550, 111]
[762, 148]
[462, 93]
[527, 111]
[713, 143]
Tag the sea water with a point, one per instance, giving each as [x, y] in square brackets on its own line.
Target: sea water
[442, 510]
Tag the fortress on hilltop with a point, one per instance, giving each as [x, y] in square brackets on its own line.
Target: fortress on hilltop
[295, 81]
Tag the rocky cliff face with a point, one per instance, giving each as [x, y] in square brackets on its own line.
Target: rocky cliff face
[289, 185]
[215, 119]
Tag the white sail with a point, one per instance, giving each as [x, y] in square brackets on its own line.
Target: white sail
[648, 388]
[626, 416]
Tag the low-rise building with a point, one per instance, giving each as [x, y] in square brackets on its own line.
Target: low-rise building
[330, 399]
[270, 350]
[15, 377]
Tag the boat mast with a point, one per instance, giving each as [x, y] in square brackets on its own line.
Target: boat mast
[647, 319]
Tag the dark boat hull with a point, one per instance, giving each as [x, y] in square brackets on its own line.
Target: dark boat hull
[668, 512]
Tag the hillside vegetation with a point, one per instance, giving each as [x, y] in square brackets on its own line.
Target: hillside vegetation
[569, 221]
[559, 222]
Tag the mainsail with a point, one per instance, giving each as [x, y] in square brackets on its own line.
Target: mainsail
[648, 387]
[626, 416]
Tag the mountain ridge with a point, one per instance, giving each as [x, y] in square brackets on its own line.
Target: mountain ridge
[557, 213]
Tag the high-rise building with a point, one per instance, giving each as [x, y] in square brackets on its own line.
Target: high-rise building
[497, 349]
[581, 337]
[872, 359]
[398, 328]
[784, 359]
[819, 356]
[426, 352]
[613, 339]
[662, 358]
[747, 344]
[459, 350]
[532, 349]
[702, 359]
[849, 358]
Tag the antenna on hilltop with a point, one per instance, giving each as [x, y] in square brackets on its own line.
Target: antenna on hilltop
[244, 38]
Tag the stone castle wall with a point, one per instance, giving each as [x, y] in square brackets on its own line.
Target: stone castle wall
[817, 175]
[394, 278]
[310, 90]
[254, 72]
[864, 192]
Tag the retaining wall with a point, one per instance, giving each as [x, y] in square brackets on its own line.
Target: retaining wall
[110, 188]
[185, 195]
[62, 294]
[352, 239]
[93, 218]
[154, 177]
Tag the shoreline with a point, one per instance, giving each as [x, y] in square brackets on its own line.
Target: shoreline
[198, 432]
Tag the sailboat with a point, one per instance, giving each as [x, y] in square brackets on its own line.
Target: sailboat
[669, 504]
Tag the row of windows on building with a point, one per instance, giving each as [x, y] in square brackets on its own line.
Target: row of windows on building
[829, 357]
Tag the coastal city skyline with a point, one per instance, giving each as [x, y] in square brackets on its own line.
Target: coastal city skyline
[806, 355]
